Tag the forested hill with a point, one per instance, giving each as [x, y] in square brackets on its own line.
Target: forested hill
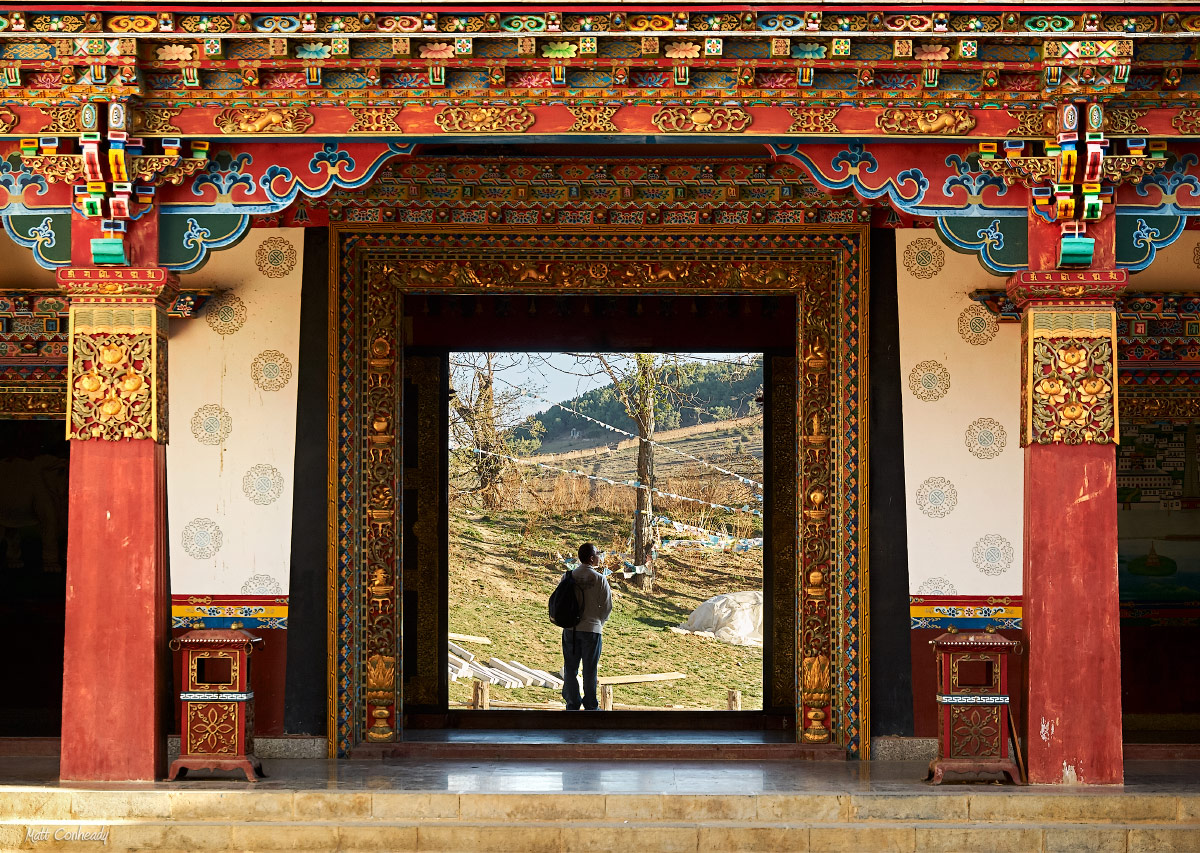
[706, 392]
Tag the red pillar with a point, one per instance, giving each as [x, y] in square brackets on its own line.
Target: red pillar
[115, 650]
[1069, 435]
[1071, 613]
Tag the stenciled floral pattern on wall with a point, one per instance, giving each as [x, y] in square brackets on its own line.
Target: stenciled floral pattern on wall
[225, 313]
[964, 473]
[929, 381]
[233, 395]
[211, 424]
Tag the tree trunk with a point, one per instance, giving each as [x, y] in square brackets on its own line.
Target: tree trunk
[643, 526]
[491, 468]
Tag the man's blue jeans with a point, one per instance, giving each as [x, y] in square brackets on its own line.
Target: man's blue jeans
[580, 647]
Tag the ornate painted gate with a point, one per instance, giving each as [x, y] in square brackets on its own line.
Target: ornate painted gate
[822, 268]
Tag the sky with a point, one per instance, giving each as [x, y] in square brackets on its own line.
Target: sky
[554, 376]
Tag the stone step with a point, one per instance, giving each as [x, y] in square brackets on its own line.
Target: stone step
[444, 836]
[601, 751]
[986, 806]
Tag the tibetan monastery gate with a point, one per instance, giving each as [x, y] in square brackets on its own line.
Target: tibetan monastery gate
[971, 223]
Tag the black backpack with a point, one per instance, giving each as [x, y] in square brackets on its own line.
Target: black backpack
[566, 603]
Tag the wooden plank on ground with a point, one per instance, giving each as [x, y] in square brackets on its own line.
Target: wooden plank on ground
[641, 679]
[467, 638]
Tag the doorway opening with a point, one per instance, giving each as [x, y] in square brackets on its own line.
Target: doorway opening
[1158, 569]
[655, 458]
[481, 557]
[33, 554]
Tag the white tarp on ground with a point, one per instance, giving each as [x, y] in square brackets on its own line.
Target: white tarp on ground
[733, 617]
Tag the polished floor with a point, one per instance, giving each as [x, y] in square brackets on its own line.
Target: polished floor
[601, 777]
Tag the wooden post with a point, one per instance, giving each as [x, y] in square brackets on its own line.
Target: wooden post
[735, 700]
[481, 696]
[606, 699]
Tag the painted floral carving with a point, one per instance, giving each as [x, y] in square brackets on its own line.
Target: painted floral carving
[437, 50]
[174, 52]
[263, 484]
[683, 50]
[937, 497]
[271, 370]
[211, 424]
[929, 381]
[977, 325]
[560, 49]
[276, 257]
[1070, 379]
[924, 258]
[113, 386]
[202, 538]
[931, 52]
[992, 554]
[986, 438]
[225, 314]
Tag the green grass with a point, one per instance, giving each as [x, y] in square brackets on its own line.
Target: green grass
[503, 569]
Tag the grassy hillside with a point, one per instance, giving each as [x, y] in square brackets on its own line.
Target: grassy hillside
[503, 568]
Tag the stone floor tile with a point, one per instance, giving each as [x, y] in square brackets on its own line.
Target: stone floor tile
[802, 808]
[457, 838]
[35, 804]
[1074, 807]
[1086, 839]
[542, 807]
[1163, 840]
[738, 838]
[990, 839]
[393, 839]
[119, 805]
[709, 807]
[903, 807]
[633, 806]
[404, 806]
[274, 836]
[856, 839]
[331, 805]
[231, 805]
[607, 838]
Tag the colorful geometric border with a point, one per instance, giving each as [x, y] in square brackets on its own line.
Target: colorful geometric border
[230, 611]
[965, 612]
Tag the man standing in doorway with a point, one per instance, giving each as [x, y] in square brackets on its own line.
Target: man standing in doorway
[582, 643]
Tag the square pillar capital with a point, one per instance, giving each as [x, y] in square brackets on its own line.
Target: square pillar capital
[117, 360]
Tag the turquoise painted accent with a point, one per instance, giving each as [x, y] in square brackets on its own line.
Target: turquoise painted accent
[109, 250]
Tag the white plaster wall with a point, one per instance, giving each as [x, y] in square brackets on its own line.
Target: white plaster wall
[966, 541]
[231, 456]
[1177, 267]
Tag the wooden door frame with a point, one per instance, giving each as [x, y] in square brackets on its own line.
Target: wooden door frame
[373, 266]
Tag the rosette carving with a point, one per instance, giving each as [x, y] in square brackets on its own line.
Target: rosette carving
[484, 119]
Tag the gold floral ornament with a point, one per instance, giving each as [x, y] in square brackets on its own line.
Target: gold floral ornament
[114, 395]
[925, 121]
[454, 119]
[1071, 399]
[701, 119]
[1072, 359]
[683, 50]
[264, 120]
[212, 728]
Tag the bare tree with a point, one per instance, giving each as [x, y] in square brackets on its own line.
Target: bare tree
[487, 418]
[641, 382]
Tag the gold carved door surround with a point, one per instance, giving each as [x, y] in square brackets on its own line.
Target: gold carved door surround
[824, 267]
